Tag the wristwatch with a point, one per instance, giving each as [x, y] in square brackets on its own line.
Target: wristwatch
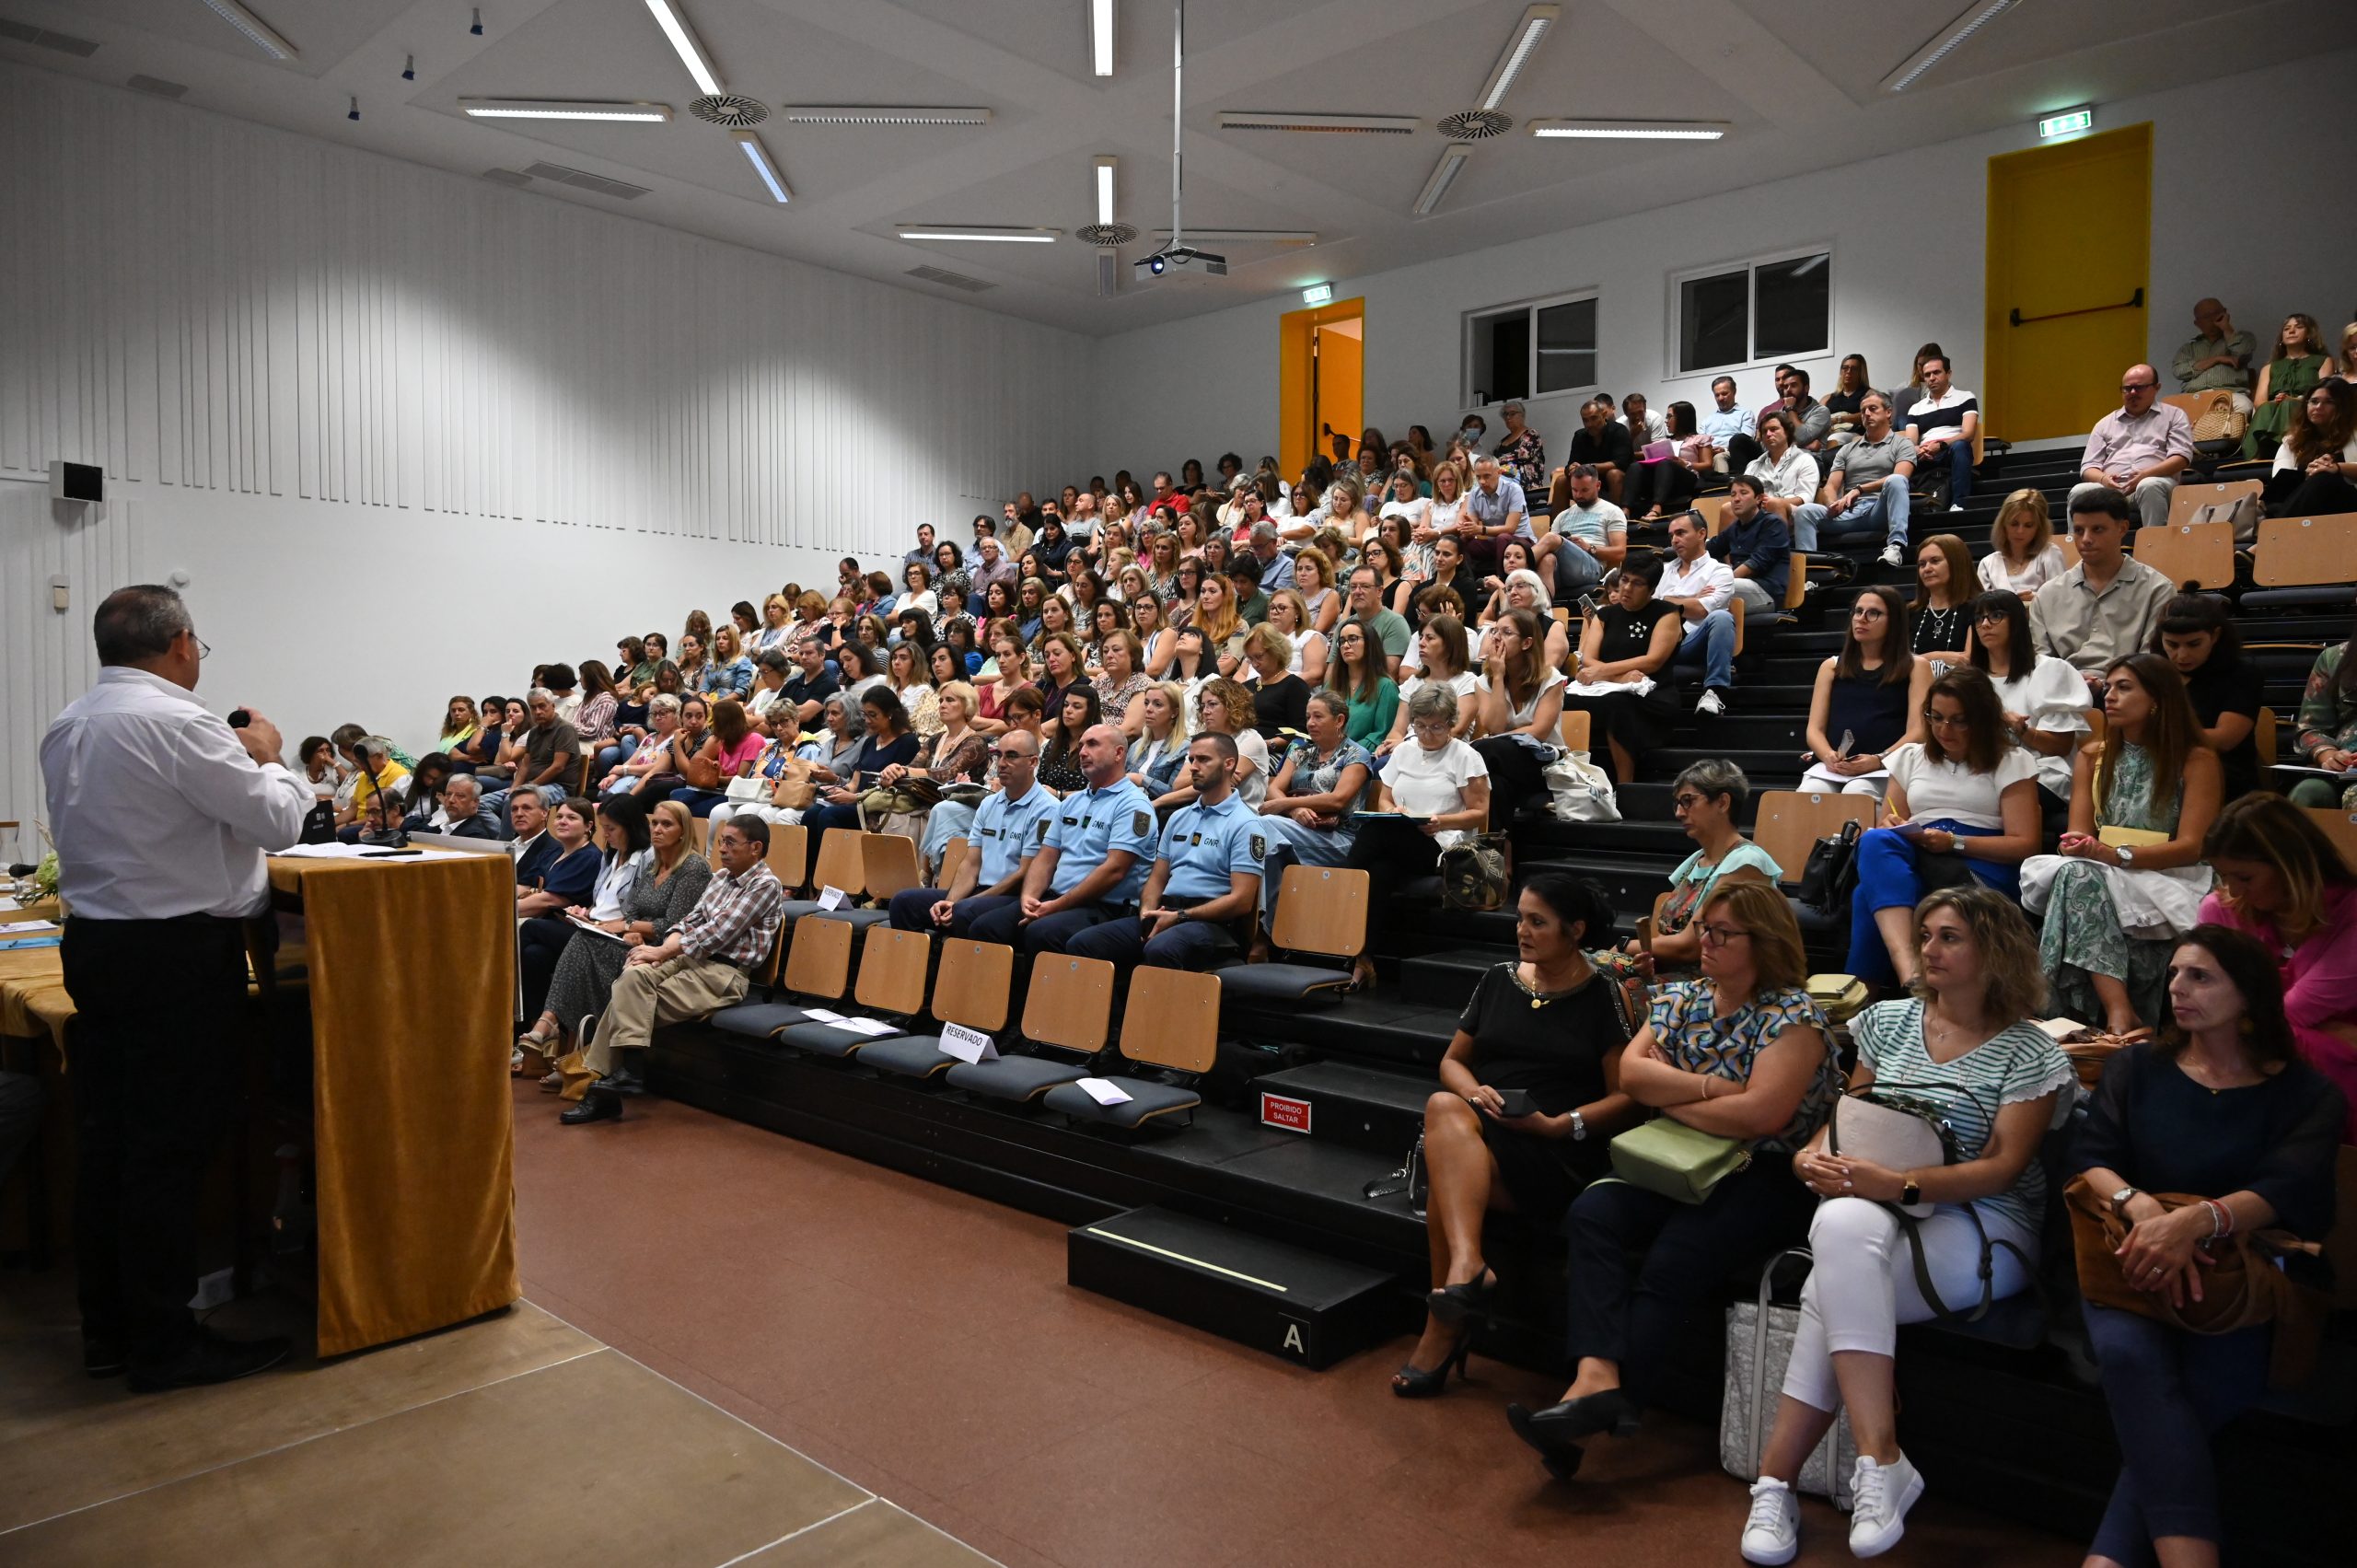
[2120, 1199]
[1910, 1191]
[1579, 1127]
[2127, 854]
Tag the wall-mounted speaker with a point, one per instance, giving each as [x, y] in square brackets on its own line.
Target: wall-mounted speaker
[76, 481]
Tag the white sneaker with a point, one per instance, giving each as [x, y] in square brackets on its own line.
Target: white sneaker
[1711, 703]
[1894, 554]
[1955, 508]
[1773, 1533]
[1881, 1494]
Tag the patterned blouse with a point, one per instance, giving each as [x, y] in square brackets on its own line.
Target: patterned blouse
[1698, 1041]
[2328, 715]
[1313, 774]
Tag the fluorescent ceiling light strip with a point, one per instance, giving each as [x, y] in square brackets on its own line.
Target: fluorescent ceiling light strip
[759, 156]
[1533, 26]
[1632, 129]
[881, 114]
[1101, 36]
[1105, 190]
[551, 108]
[257, 32]
[995, 236]
[1444, 175]
[1378, 124]
[1945, 43]
[683, 42]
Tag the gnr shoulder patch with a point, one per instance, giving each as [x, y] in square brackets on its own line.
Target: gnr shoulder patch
[1260, 846]
[1140, 822]
[1039, 831]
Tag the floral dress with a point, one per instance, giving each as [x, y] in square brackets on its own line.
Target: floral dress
[2114, 920]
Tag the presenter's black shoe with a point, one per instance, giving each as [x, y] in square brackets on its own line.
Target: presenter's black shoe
[596, 1106]
[101, 1355]
[207, 1358]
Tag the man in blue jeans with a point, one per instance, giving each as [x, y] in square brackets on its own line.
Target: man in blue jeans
[1867, 487]
[1701, 585]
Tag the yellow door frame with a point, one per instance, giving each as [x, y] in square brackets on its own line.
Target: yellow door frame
[1296, 399]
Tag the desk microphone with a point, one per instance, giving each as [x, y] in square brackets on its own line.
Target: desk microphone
[391, 838]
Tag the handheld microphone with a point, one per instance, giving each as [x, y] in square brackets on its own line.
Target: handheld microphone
[239, 719]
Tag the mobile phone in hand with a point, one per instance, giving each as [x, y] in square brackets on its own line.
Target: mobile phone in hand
[1515, 1102]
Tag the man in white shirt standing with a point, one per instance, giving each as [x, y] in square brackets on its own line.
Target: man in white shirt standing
[1701, 585]
[162, 814]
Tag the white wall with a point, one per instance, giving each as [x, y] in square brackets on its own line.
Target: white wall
[410, 433]
[1907, 234]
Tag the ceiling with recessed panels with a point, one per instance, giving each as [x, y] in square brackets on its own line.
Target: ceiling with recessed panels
[1798, 85]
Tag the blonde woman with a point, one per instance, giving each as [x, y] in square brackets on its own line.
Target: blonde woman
[1311, 651]
[2023, 555]
[1160, 748]
[1221, 627]
[905, 673]
[1224, 707]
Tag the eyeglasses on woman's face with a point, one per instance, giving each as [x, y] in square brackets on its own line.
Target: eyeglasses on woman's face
[1945, 721]
[1720, 935]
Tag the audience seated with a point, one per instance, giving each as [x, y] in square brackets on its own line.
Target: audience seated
[1495, 510]
[1430, 792]
[1644, 424]
[1668, 472]
[1205, 881]
[1961, 808]
[730, 750]
[1756, 545]
[1366, 606]
[1603, 446]
[1589, 533]
[2221, 1115]
[2328, 730]
[1865, 486]
[1700, 585]
[2195, 633]
[567, 872]
[2023, 555]
[2115, 902]
[1093, 863]
[2299, 364]
[1521, 454]
[1522, 710]
[459, 811]
[2282, 881]
[380, 785]
[1627, 684]
[1744, 1055]
[890, 743]
[2042, 697]
[549, 754]
[1443, 656]
[2217, 356]
[1311, 809]
[1360, 673]
[1549, 1029]
[1706, 798]
[1941, 614]
[2139, 450]
[1007, 828]
[703, 965]
[2318, 456]
[1851, 386]
[1810, 419]
[2107, 605]
[1869, 698]
[623, 840]
[1731, 430]
[1786, 472]
[1941, 426]
[1964, 1047]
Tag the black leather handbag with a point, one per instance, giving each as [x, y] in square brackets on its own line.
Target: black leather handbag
[1831, 873]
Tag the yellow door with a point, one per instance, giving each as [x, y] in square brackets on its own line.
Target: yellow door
[1314, 386]
[2070, 238]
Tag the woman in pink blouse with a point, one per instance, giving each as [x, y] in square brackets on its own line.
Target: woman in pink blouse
[2281, 879]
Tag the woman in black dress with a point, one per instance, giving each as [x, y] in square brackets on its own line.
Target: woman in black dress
[1551, 1027]
[2196, 636]
[1943, 617]
[1632, 638]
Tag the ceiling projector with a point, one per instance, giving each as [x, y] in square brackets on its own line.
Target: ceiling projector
[1161, 261]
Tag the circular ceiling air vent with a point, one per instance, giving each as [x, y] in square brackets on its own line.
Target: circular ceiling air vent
[1105, 233]
[731, 110]
[1476, 125]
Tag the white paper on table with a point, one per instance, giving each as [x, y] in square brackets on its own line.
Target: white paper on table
[8, 903]
[1640, 687]
[830, 899]
[867, 1027]
[358, 851]
[821, 1014]
[967, 1045]
[26, 927]
[1102, 1091]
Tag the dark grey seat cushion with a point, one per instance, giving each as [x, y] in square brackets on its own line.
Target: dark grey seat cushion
[911, 1056]
[1265, 984]
[759, 1020]
[1146, 1101]
[1013, 1077]
[794, 909]
[821, 1039]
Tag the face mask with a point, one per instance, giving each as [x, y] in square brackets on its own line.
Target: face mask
[1470, 433]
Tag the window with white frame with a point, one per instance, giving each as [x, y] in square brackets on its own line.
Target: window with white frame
[1530, 350]
[1742, 313]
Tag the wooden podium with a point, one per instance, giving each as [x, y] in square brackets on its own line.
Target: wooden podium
[410, 969]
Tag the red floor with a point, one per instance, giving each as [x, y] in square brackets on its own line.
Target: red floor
[922, 1343]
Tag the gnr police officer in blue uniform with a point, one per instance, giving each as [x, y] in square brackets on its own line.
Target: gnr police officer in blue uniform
[1094, 859]
[1206, 876]
[1009, 827]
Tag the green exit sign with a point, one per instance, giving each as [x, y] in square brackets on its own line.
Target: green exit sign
[1318, 294]
[2069, 122]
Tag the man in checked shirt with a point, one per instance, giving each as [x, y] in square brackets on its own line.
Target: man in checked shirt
[701, 968]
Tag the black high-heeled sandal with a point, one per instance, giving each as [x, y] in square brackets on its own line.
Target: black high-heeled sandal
[1413, 1382]
[1459, 1305]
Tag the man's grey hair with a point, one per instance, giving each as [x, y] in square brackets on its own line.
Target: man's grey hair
[138, 622]
[375, 745]
[1263, 533]
[474, 785]
[1484, 462]
[540, 695]
[1432, 701]
[1711, 778]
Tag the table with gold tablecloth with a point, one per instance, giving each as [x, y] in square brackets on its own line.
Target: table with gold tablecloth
[409, 968]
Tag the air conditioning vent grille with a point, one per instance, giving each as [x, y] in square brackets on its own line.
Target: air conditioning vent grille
[953, 280]
[732, 110]
[559, 174]
[63, 43]
[1107, 234]
[507, 176]
[159, 87]
[1476, 125]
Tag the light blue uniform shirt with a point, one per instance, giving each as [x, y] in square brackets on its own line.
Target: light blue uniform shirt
[1206, 845]
[1093, 824]
[1007, 832]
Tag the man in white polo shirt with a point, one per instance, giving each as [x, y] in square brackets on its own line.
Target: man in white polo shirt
[1942, 423]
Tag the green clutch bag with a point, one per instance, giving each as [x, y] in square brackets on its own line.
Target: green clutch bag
[1667, 1156]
